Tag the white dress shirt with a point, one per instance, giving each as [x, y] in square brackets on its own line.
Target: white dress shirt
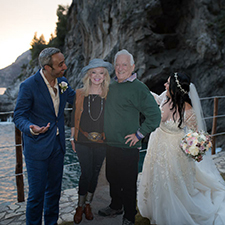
[54, 96]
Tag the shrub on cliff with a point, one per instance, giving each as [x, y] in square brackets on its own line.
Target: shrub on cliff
[38, 44]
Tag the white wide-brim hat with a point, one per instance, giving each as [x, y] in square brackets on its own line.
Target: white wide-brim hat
[94, 63]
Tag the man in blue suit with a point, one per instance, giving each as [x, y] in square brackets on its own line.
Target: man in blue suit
[39, 114]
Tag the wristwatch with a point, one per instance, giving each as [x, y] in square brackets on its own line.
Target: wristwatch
[71, 139]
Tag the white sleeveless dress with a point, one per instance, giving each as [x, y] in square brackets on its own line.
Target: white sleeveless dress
[173, 188]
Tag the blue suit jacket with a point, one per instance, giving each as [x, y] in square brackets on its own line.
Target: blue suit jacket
[35, 106]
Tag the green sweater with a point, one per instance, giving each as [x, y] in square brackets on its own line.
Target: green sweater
[124, 103]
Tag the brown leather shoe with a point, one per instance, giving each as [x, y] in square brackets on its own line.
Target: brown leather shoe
[87, 212]
[78, 215]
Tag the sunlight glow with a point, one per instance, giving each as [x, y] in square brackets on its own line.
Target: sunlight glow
[19, 20]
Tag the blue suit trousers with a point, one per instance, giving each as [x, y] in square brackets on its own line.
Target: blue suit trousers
[44, 179]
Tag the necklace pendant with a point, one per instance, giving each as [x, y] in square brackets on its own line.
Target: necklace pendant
[94, 97]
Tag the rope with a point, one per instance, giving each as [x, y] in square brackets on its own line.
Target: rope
[10, 146]
[25, 172]
[211, 117]
[143, 150]
[3, 113]
[68, 109]
[14, 175]
[11, 112]
[71, 164]
[205, 98]
[218, 134]
[68, 139]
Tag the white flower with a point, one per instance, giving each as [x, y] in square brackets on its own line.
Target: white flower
[63, 86]
[195, 142]
[194, 150]
[202, 137]
[195, 134]
[184, 146]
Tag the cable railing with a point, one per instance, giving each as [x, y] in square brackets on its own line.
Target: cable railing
[18, 146]
[6, 113]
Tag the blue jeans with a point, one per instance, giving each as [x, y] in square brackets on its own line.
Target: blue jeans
[91, 159]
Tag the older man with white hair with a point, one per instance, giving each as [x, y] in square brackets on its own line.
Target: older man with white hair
[127, 98]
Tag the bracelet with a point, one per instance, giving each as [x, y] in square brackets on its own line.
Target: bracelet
[71, 139]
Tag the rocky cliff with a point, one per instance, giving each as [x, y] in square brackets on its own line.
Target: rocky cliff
[9, 73]
[163, 35]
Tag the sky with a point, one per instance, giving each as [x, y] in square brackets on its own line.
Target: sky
[19, 20]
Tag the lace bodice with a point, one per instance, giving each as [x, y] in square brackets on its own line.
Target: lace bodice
[167, 122]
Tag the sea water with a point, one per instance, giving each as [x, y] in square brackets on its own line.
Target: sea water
[8, 189]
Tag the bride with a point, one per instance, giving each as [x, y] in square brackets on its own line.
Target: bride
[174, 189]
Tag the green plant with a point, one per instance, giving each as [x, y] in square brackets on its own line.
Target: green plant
[24, 66]
[61, 28]
[37, 45]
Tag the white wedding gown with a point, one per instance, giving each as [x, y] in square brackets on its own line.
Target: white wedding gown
[173, 188]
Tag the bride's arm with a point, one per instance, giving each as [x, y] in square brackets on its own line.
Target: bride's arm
[191, 120]
[159, 98]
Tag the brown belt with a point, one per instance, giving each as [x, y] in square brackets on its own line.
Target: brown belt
[94, 136]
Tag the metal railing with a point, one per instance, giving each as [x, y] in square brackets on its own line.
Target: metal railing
[18, 145]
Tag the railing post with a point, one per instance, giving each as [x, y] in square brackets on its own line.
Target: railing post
[215, 113]
[19, 166]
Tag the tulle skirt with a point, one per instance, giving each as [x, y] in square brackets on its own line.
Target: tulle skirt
[175, 190]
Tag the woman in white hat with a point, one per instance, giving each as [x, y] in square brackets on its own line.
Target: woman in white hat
[87, 137]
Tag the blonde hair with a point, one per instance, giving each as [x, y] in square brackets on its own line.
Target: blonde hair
[104, 85]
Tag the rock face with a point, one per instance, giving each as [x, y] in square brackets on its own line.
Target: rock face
[11, 77]
[8, 99]
[164, 36]
[9, 73]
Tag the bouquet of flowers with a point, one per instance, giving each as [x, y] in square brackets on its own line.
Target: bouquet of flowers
[195, 144]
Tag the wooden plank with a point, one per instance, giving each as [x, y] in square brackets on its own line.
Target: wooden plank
[19, 166]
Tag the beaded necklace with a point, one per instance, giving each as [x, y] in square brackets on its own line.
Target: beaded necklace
[89, 109]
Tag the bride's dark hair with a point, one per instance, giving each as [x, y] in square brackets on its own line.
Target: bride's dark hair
[179, 88]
